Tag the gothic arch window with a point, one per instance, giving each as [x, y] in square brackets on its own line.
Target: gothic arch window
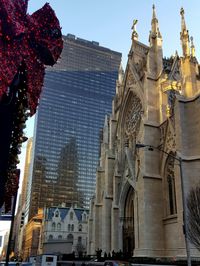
[53, 226]
[79, 239]
[170, 188]
[133, 115]
[69, 227]
[57, 213]
[59, 237]
[80, 227]
[58, 226]
[72, 227]
[71, 216]
[50, 237]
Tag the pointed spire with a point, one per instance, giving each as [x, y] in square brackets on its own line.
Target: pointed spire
[183, 24]
[192, 47]
[154, 12]
[134, 33]
[184, 35]
[155, 32]
[154, 21]
[120, 79]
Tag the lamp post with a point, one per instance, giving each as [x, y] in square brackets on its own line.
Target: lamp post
[185, 225]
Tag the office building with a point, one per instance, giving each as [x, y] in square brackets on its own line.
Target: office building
[77, 94]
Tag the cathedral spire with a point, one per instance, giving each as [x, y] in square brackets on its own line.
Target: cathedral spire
[155, 54]
[154, 33]
[154, 12]
[119, 81]
[184, 35]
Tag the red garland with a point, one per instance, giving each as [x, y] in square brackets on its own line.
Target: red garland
[33, 39]
[11, 189]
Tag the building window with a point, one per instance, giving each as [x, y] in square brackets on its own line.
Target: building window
[80, 227]
[69, 227]
[170, 189]
[50, 237]
[57, 214]
[70, 238]
[72, 227]
[58, 226]
[84, 217]
[71, 216]
[59, 237]
[79, 239]
[53, 226]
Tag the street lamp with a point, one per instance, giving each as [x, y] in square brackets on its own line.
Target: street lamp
[185, 225]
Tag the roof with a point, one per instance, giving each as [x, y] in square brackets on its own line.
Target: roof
[64, 211]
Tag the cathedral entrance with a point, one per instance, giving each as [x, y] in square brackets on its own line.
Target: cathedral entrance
[128, 224]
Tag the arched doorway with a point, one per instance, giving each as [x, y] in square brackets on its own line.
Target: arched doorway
[128, 224]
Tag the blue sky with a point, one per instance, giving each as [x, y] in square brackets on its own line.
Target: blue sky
[109, 21]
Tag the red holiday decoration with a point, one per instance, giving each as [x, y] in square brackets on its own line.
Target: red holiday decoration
[27, 44]
[35, 40]
[11, 189]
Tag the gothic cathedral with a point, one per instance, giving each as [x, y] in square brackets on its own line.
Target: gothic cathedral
[150, 151]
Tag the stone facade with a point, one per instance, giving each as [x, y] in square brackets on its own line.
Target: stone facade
[138, 205]
[64, 231]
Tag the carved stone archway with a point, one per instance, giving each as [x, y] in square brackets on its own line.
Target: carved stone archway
[128, 224]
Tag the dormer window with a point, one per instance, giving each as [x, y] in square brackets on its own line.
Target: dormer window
[57, 214]
[84, 217]
[71, 216]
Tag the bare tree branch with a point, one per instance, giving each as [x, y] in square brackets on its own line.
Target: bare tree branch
[193, 216]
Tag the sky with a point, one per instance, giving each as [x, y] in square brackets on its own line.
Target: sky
[109, 22]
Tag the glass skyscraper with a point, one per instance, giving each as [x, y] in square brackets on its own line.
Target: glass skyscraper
[77, 95]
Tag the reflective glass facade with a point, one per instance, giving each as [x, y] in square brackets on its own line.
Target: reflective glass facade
[77, 94]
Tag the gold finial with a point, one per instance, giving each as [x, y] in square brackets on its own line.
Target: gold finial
[184, 35]
[154, 11]
[183, 24]
[134, 34]
[182, 12]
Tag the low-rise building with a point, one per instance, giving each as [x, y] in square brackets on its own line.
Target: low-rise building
[64, 230]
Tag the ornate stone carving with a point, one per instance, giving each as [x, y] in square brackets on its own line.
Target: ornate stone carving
[140, 67]
[130, 79]
[170, 141]
[133, 116]
[167, 136]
